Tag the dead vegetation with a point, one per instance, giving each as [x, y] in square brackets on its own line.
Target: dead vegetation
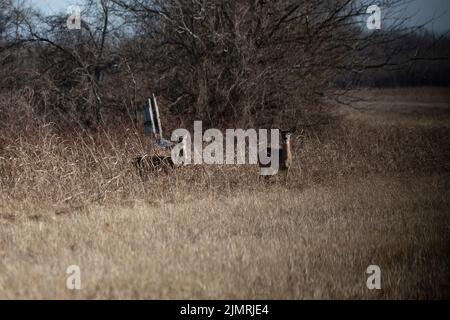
[368, 183]
[360, 193]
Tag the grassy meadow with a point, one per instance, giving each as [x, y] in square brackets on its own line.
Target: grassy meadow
[372, 186]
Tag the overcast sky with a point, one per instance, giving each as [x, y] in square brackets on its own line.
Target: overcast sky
[423, 10]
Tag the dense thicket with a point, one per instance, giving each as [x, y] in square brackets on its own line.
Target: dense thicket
[246, 62]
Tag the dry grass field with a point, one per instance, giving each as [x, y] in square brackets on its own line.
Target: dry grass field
[372, 187]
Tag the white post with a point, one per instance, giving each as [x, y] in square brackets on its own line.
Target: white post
[149, 121]
[158, 119]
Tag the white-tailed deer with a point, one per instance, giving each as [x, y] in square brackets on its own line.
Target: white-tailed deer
[284, 153]
[153, 163]
[148, 163]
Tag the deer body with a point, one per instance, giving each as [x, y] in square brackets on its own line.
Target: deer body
[284, 154]
[153, 163]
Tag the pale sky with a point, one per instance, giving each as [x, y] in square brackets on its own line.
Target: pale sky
[423, 10]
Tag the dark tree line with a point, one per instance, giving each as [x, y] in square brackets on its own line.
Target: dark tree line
[424, 61]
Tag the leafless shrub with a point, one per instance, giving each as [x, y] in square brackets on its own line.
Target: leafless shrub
[249, 63]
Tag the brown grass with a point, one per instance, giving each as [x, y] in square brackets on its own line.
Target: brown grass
[371, 189]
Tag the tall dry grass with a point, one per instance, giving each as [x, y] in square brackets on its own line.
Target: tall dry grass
[361, 192]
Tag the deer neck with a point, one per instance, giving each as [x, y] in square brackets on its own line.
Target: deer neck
[286, 148]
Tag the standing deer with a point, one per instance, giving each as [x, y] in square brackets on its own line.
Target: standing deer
[284, 153]
[153, 163]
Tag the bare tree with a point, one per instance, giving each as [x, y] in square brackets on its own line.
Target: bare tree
[243, 60]
[248, 62]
